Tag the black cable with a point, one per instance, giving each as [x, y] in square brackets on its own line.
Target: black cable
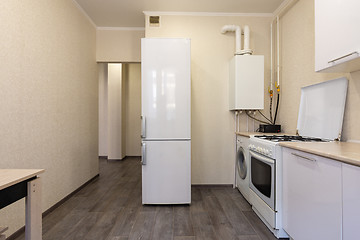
[277, 106]
[265, 116]
[255, 118]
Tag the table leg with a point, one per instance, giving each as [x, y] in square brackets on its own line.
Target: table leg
[33, 221]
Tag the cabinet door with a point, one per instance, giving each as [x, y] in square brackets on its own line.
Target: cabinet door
[336, 34]
[311, 196]
[351, 202]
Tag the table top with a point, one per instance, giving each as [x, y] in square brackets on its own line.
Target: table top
[9, 177]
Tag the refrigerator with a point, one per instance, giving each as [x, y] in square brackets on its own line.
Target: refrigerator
[166, 120]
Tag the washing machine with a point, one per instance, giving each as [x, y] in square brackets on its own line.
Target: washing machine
[242, 165]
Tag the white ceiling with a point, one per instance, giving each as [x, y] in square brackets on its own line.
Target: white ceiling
[129, 13]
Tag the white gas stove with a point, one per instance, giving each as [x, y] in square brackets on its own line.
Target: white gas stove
[320, 119]
[265, 144]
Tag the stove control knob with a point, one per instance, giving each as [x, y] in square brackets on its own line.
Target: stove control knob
[267, 152]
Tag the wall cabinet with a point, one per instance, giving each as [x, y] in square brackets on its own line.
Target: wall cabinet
[337, 39]
[351, 201]
[312, 207]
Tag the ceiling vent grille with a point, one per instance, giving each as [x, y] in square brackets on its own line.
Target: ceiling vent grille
[154, 21]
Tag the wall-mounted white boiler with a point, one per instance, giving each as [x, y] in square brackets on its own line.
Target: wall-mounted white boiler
[246, 85]
[246, 82]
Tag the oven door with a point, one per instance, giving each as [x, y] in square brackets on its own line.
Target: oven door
[262, 177]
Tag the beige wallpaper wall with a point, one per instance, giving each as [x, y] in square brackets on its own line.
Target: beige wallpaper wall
[103, 109]
[213, 144]
[114, 45]
[297, 65]
[48, 98]
[133, 108]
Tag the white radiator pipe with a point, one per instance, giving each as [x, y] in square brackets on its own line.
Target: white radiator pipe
[236, 121]
[240, 112]
[271, 57]
[278, 50]
[237, 30]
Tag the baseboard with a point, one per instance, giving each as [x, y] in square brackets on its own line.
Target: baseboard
[127, 156]
[211, 185]
[118, 159]
[16, 234]
[56, 205]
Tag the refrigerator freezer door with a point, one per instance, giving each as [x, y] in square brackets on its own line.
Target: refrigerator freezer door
[165, 88]
[166, 173]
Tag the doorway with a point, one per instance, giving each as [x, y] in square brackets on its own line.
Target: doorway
[119, 110]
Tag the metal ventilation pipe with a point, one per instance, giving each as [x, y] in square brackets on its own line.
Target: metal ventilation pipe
[237, 30]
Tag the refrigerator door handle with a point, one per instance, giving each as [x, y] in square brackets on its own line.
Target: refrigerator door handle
[143, 157]
[143, 126]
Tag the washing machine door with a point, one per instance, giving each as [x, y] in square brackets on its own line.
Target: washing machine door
[241, 163]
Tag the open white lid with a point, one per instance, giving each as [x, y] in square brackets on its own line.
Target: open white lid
[321, 110]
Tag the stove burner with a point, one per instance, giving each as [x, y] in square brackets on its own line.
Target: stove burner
[289, 138]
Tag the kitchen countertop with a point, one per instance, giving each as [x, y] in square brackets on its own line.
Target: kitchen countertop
[246, 134]
[347, 152]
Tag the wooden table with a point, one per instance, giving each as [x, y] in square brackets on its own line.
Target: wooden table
[19, 183]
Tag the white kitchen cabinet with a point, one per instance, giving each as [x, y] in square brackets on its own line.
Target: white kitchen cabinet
[351, 201]
[337, 38]
[312, 207]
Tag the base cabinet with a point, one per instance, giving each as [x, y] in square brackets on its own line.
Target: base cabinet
[312, 196]
[351, 202]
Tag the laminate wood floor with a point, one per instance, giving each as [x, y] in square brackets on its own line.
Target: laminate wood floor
[110, 208]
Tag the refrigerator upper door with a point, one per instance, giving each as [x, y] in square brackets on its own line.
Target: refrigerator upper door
[165, 88]
[321, 110]
[166, 172]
